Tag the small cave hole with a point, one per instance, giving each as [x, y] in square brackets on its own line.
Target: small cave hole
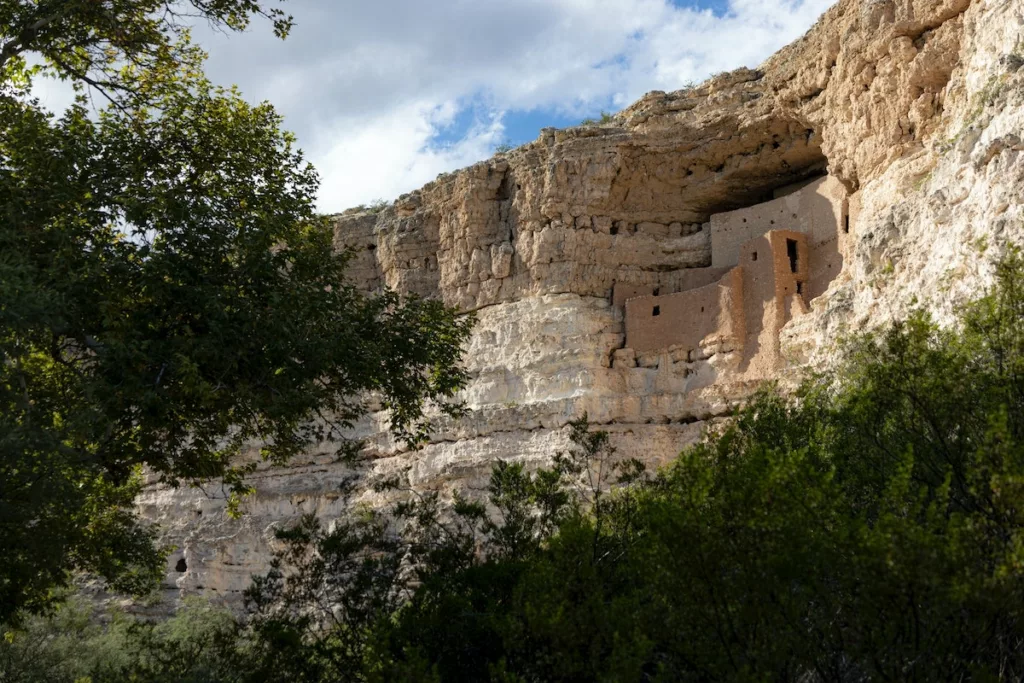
[371, 247]
[753, 257]
[772, 221]
[701, 309]
[181, 567]
[615, 230]
[656, 311]
[657, 290]
[744, 220]
[800, 287]
[846, 224]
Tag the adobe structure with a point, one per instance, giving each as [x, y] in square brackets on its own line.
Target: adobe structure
[768, 262]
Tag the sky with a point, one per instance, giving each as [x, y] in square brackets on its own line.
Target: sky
[383, 95]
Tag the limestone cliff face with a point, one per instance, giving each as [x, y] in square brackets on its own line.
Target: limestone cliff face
[914, 109]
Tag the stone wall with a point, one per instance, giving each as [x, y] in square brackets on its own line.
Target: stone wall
[817, 209]
[687, 318]
[770, 298]
[745, 310]
[667, 283]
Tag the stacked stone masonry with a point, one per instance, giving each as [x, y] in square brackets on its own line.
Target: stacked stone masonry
[776, 256]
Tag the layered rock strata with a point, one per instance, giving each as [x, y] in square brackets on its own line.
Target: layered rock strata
[913, 108]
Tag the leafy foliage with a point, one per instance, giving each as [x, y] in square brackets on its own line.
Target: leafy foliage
[199, 644]
[606, 117]
[170, 298]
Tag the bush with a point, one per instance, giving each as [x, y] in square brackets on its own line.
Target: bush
[605, 118]
[76, 643]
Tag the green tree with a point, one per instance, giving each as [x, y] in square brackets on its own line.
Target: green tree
[169, 295]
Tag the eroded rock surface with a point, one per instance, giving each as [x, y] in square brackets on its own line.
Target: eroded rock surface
[914, 108]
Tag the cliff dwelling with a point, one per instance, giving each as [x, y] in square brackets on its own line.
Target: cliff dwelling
[768, 261]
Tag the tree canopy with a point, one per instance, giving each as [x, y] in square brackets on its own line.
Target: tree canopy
[169, 294]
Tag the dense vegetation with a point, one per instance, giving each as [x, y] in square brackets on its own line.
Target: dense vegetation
[169, 295]
[867, 528]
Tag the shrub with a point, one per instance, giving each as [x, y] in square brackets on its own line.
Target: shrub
[76, 643]
[605, 117]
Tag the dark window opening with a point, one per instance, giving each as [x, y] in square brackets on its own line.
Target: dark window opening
[657, 290]
[799, 288]
[656, 311]
[615, 230]
[792, 254]
[846, 224]
[701, 309]
[181, 567]
[753, 257]
[371, 247]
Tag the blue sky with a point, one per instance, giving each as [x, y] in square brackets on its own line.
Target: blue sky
[718, 7]
[385, 95]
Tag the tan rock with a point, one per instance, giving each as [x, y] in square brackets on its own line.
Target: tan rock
[915, 108]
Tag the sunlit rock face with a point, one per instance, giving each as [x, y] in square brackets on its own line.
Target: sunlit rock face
[913, 109]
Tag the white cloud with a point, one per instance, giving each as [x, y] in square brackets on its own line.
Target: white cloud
[383, 156]
[369, 87]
